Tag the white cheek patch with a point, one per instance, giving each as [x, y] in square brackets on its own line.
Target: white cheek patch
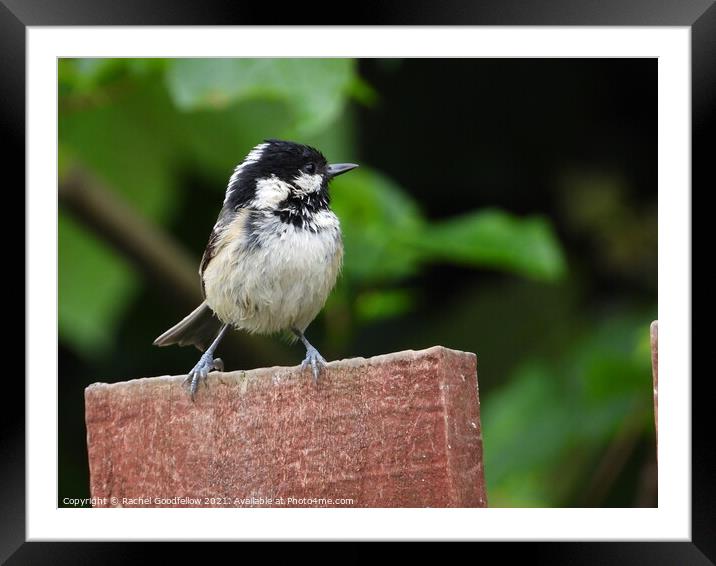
[306, 183]
[270, 192]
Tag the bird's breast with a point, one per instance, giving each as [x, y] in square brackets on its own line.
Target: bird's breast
[275, 275]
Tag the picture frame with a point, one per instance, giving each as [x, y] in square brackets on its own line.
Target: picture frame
[17, 15]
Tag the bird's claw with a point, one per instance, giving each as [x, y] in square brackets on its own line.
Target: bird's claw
[315, 360]
[201, 370]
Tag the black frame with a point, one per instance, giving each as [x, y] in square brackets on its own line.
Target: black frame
[15, 15]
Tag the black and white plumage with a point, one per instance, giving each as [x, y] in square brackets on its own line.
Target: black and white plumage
[273, 255]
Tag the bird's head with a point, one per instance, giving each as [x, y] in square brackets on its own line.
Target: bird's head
[283, 177]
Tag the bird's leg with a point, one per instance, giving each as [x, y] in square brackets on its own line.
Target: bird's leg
[206, 364]
[313, 357]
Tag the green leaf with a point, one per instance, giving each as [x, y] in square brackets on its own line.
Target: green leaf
[95, 286]
[314, 89]
[130, 144]
[527, 246]
[218, 139]
[88, 76]
[379, 221]
[85, 75]
[391, 239]
[338, 140]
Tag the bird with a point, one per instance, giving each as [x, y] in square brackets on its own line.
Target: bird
[273, 256]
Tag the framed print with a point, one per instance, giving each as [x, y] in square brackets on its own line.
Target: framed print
[509, 205]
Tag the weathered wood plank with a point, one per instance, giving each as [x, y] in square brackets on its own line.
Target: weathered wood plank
[400, 430]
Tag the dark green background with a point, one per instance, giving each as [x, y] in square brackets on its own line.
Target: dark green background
[505, 207]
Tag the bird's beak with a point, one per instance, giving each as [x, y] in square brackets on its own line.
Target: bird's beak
[340, 168]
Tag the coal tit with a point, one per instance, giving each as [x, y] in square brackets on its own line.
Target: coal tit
[273, 256]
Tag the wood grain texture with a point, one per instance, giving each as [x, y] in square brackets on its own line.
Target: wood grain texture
[400, 430]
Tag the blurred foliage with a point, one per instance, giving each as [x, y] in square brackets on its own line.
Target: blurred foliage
[564, 378]
[537, 446]
[313, 89]
[621, 232]
[133, 122]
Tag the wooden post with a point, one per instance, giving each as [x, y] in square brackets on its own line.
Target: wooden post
[400, 430]
[655, 373]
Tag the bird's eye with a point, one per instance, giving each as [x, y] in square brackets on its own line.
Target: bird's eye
[310, 168]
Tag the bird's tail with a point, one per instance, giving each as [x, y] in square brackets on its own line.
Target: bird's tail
[198, 328]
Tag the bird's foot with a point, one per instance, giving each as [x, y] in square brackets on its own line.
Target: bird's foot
[206, 364]
[315, 360]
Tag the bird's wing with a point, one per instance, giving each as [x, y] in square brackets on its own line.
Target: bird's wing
[228, 229]
[209, 252]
